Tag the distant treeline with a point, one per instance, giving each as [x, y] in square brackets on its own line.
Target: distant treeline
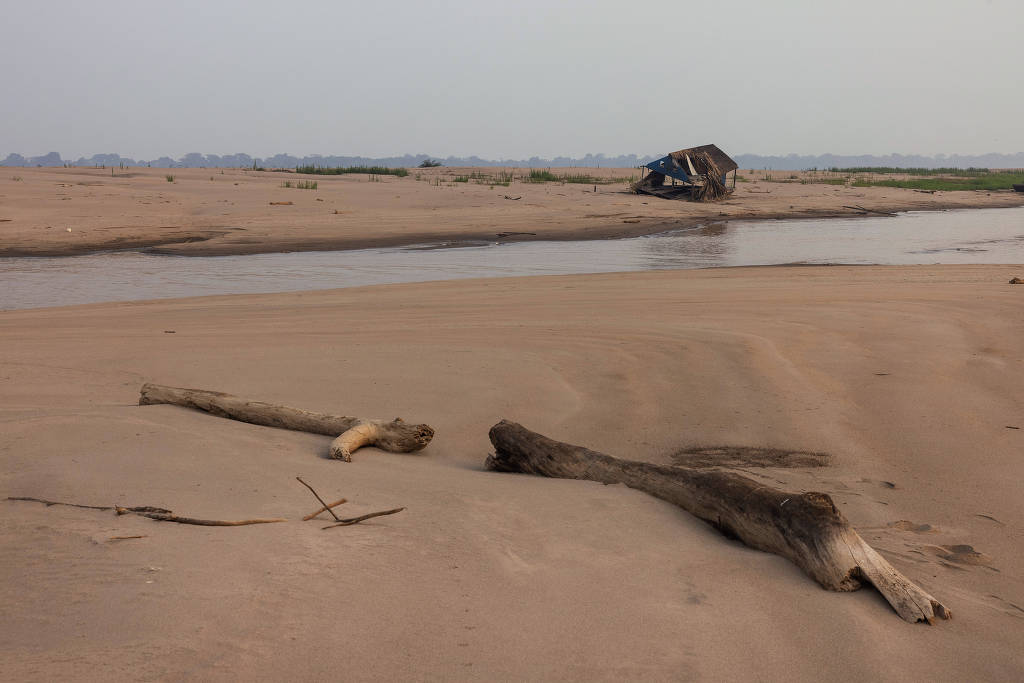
[195, 160]
[792, 162]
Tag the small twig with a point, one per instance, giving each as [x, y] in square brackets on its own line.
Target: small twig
[170, 517]
[124, 538]
[48, 503]
[140, 509]
[319, 498]
[512, 234]
[324, 509]
[159, 514]
[356, 520]
[861, 208]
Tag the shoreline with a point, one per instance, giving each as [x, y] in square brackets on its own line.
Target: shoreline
[203, 215]
[197, 247]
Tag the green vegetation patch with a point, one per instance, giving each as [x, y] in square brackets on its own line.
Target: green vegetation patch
[300, 184]
[546, 176]
[963, 172]
[342, 170]
[988, 181]
[539, 176]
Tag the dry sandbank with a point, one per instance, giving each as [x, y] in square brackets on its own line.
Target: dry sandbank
[206, 212]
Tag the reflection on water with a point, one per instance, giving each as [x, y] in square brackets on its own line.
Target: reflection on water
[970, 236]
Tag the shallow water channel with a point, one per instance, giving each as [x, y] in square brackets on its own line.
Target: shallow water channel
[967, 236]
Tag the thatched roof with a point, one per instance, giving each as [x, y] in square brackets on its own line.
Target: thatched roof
[722, 160]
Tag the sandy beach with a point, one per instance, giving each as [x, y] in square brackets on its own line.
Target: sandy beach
[909, 377]
[65, 211]
[759, 424]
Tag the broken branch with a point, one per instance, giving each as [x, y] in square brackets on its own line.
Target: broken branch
[805, 528]
[355, 432]
[356, 520]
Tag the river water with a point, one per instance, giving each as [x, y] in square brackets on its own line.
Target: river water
[968, 236]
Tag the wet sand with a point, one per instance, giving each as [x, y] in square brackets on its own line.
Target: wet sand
[232, 211]
[908, 376]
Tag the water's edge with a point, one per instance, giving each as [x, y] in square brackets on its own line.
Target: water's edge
[962, 236]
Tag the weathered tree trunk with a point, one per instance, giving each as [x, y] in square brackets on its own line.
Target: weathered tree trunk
[803, 527]
[355, 432]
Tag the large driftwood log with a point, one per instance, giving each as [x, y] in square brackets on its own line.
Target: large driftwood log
[355, 432]
[806, 528]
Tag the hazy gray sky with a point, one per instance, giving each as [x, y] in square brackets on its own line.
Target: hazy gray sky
[510, 79]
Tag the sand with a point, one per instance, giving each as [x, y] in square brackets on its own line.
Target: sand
[233, 211]
[908, 376]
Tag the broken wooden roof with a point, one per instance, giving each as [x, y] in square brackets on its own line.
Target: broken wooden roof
[722, 160]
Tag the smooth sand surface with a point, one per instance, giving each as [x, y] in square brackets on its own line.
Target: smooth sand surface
[909, 376]
[62, 211]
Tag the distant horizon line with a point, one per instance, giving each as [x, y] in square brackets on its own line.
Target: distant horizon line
[790, 161]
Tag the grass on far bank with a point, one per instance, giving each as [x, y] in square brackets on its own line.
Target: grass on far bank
[546, 176]
[341, 170]
[962, 172]
[988, 181]
[300, 184]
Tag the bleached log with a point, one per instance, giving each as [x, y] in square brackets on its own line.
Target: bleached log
[805, 528]
[352, 432]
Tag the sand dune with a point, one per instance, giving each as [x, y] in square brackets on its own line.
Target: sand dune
[909, 377]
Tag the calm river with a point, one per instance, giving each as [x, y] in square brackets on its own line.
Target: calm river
[969, 236]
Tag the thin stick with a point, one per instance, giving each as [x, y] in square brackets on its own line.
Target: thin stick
[861, 208]
[48, 503]
[124, 538]
[169, 517]
[324, 509]
[356, 520]
[319, 498]
[159, 514]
